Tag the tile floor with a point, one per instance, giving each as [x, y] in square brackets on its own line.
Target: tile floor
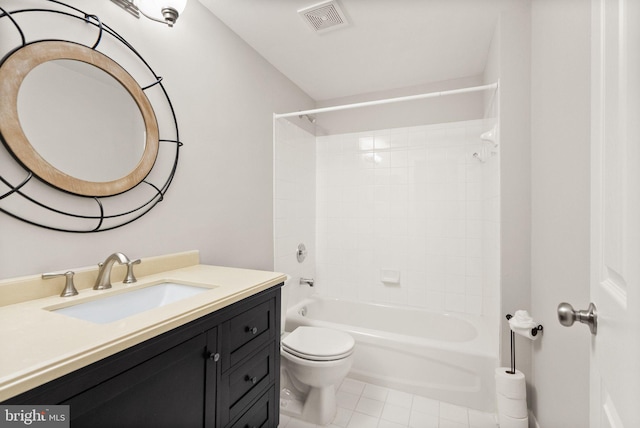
[362, 405]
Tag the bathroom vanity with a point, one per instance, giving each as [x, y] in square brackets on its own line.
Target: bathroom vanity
[220, 368]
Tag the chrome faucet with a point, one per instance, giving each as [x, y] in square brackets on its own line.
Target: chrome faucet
[104, 273]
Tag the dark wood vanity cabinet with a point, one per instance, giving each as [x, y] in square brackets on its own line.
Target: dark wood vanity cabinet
[221, 370]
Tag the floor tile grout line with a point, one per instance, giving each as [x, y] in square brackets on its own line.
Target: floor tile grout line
[357, 389]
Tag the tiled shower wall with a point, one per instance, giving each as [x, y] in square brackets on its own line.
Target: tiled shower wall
[410, 201]
[409, 216]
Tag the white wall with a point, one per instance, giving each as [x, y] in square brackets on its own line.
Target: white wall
[542, 55]
[509, 60]
[560, 209]
[295, 206]
[396, 115]
[220, 201]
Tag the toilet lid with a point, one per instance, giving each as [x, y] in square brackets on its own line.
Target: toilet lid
[318, 343]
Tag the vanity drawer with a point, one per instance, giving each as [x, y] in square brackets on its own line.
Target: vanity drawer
[245, 333]
[246, 382]
[263, 414]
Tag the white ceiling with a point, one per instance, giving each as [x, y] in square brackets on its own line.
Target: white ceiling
[389, 44]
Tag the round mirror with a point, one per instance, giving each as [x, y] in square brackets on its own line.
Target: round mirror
[81, 120]
[76, 119]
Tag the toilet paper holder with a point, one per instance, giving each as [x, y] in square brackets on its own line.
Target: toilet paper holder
[534, 332]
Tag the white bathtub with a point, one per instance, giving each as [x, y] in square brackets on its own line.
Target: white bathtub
[446, 357]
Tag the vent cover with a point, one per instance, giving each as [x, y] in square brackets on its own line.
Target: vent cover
[324, 16]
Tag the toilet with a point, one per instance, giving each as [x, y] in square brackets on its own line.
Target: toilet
[314, 361]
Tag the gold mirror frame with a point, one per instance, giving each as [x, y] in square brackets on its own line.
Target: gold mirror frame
[12, 73]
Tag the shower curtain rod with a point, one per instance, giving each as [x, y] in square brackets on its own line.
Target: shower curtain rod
[388, 100]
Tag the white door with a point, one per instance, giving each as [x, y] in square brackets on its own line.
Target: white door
[615, 213]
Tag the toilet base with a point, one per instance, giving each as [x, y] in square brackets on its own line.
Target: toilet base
[290, 405]
[318, 407]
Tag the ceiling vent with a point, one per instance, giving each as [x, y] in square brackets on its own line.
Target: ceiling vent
[324, 16]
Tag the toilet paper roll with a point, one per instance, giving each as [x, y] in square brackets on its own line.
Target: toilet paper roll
[510, 385]
[512, 407]
[509, 422]
[522, 323]
[525, 332]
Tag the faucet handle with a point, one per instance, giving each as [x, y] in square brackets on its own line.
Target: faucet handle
[131, 278]
[69, 286]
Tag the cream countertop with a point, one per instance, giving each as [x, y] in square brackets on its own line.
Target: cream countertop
[39, 345]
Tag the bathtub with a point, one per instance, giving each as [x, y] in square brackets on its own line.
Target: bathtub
[447, 357]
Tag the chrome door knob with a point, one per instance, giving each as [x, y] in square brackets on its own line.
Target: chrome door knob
[567, 316]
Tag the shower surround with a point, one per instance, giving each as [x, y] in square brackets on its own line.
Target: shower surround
[408, 202]
[403, 219]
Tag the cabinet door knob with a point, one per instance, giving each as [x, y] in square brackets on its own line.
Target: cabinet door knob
[252, 330]
[253, 380]
[213, 356]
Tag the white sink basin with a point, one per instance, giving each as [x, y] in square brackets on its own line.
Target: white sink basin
[119, 306]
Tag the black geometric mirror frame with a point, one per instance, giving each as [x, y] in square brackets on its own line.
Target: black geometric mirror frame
[26, 197]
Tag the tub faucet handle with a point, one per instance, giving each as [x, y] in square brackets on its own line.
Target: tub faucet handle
[130, 278]
[308, 281]
[69, 287]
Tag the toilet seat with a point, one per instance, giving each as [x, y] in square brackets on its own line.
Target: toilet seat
[318, 344]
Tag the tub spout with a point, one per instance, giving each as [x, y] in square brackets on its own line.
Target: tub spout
[308, 281]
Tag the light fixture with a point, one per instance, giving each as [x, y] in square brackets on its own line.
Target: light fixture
[165, 11]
